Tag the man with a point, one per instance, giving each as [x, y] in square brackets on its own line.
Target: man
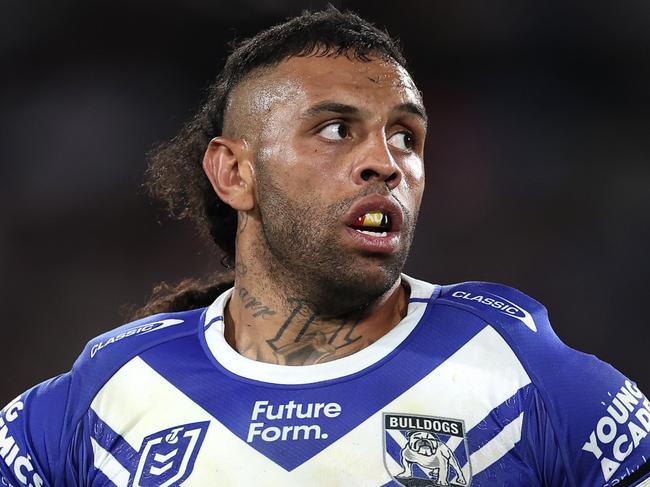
[322, 364]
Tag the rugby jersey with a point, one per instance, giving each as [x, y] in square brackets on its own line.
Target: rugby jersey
[472, 387]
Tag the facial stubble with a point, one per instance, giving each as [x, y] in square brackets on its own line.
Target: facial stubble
[303, 250]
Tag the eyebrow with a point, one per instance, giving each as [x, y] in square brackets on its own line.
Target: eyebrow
[413, 108]
[344, 109]
[331, 107]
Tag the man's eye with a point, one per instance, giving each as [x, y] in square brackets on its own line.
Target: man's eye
[335, 131]
[402, 140]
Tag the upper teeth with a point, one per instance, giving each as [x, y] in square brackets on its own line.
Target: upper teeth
[373, 219]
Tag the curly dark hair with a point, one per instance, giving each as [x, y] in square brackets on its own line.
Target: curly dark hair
[175, 173]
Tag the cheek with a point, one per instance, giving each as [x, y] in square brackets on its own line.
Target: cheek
[273, 146]
[412, 186]
[413, 169]
[312, 169]
[292, 178]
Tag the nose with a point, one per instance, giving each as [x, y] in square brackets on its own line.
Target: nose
[375, 163]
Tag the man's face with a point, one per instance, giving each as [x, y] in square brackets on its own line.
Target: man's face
[339, 171]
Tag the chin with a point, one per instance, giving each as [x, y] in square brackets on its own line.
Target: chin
[361, 283]
[379, 274]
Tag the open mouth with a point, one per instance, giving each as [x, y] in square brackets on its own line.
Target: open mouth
[374, 223]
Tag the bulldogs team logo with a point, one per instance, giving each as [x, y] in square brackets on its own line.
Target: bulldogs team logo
[425, 451]
[167, 457]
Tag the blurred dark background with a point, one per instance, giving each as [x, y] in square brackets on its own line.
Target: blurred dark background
[537, 159]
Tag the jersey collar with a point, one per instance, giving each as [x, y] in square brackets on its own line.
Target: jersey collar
[226, 357]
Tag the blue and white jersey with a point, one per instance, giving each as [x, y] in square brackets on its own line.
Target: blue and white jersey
[472, 387]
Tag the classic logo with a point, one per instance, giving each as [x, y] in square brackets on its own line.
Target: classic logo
[167, 457]
[423, 450]
[499, 303]
[138, 330]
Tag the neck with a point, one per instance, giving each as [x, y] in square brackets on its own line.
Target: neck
[270, 324]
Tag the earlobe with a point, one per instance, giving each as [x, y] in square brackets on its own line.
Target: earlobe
[226, 164]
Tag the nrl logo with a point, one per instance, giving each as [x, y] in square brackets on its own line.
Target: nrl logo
[167, 457]
[423, 451]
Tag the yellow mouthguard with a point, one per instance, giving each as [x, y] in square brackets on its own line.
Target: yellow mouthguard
[373, 219]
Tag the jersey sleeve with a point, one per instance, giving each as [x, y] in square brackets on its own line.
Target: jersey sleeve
[33, 434]
[587, 424]
[592, 433]
[45, 438]
[600, 418]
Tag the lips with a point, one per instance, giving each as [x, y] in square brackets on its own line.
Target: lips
[374, 223]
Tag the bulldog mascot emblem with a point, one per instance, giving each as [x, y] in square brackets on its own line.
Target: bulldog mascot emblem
[418, 452]
[435, 458]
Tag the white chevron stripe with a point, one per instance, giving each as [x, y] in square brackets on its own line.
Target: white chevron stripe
[137, 402]
[468, 385]
[498, 446]
[104, 461]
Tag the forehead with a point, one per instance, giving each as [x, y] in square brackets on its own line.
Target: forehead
[302, 81]
[319, 73]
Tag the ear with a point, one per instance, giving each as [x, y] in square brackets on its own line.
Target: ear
[228, 167]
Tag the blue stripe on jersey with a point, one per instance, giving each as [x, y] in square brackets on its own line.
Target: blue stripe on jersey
[393, 448]
[232, 401]
[112, 442]
[510, 471]
[498, 418]
[490, 426]
[461, 454]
